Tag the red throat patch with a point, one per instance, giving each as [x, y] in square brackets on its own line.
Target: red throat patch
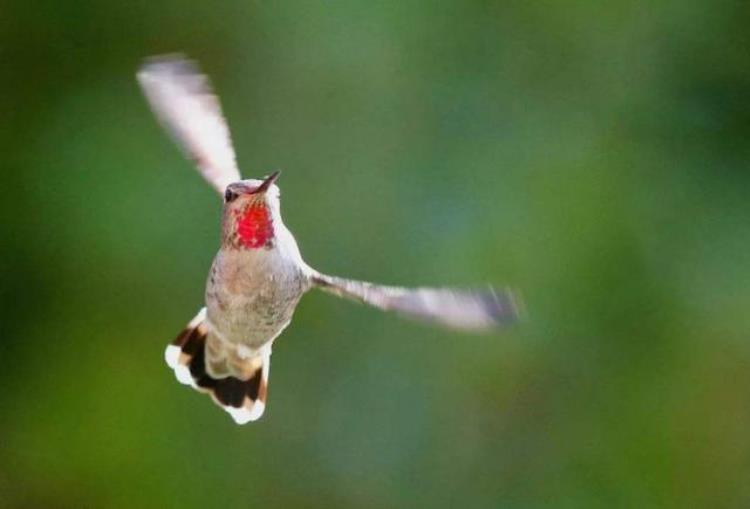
[254, 227]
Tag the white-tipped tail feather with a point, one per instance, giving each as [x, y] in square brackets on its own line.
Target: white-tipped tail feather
[243, 396]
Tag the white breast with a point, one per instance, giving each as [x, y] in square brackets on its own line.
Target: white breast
[251, 294]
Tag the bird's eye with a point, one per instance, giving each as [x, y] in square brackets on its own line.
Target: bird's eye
[229, 195]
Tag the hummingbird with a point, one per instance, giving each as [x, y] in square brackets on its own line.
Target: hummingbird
[258, 276]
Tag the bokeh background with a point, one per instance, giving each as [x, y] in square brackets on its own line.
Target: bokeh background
[593, 154]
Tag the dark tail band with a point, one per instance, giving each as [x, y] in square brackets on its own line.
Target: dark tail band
[245, 400]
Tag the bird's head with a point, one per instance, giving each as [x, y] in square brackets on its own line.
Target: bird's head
[251, 210]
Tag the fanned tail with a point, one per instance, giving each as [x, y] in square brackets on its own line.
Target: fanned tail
[243, 396]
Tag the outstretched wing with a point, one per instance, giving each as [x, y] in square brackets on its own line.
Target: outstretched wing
[182, 99]
[458, 309]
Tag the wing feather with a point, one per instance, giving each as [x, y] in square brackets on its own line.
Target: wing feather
[183, 101]
[449, 307]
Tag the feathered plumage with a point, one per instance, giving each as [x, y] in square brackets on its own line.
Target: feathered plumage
[258, 276]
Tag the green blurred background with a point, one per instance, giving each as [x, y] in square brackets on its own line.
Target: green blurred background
[593, 154]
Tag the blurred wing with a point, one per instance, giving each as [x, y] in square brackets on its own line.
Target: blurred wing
[182, 99]
[457, 309]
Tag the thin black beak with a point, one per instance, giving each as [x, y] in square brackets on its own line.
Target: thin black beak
[267, 183]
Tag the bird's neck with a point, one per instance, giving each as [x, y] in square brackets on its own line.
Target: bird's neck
[250, 227]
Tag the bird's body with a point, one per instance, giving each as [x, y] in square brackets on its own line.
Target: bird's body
[251, 293]
[258, 276]
[250, 299]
